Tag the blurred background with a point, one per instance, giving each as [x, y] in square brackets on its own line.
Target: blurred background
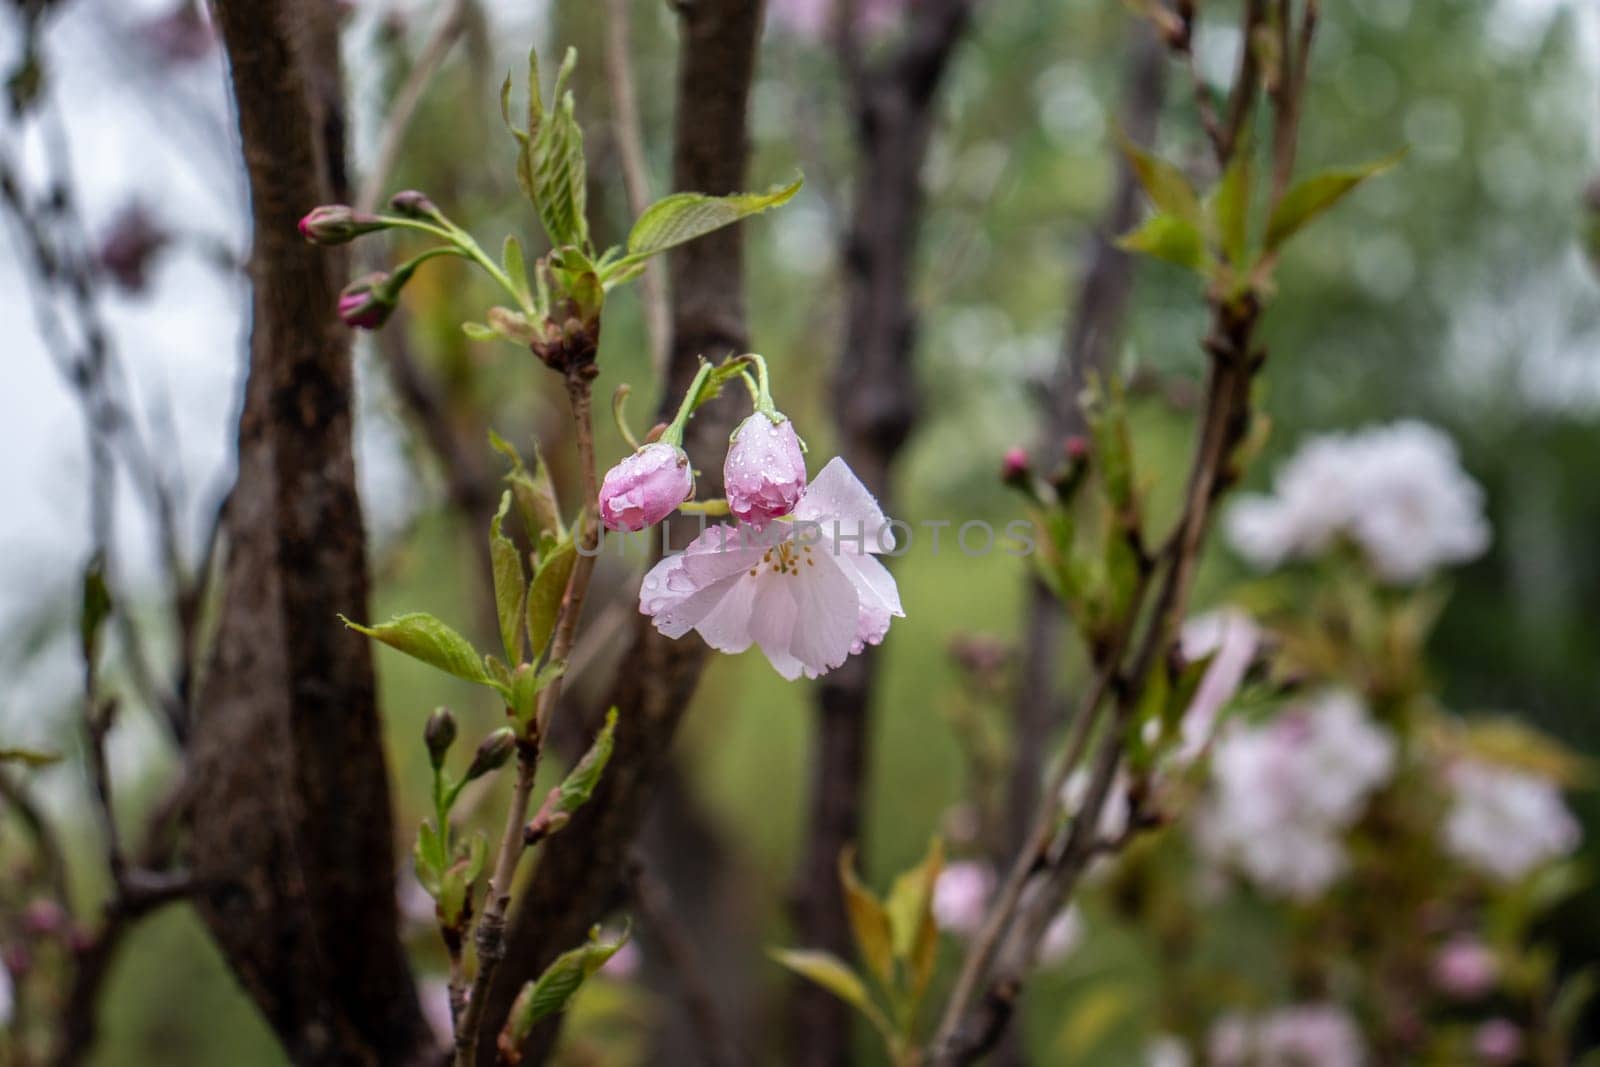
[1460, 289]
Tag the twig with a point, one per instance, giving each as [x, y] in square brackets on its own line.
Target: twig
[404, 107]
[489, 935]
[629, 133]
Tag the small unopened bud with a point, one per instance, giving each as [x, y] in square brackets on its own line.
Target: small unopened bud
[439, 734]
[1015, 467]
[337, 224]
[493, 753]
[414, 205]
[367, 303]
[1077, 447]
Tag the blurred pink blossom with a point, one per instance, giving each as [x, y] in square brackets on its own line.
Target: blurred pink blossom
[961, 895]
[1505, 821]
[1497, 1041]
[1465, 968]
[813, 19]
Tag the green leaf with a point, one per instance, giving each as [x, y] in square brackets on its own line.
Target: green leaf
[681, 217]
[428, 858]
[1310, 197]
[910, 903]
[1169, 190]
[1169, 238]
[477, 331]
[533, 491]
[580, 783]
[421, 636]
[555, 987]
[868, 920]
[829, 972]
[512, 325]
[545, 593]
[1230, 209]
[516, 267]
[558, 175]
[29, 757]
[510, 583]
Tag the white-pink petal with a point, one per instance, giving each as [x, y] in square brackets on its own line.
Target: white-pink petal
[845, 509]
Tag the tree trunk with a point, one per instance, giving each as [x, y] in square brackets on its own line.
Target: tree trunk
[293, 827]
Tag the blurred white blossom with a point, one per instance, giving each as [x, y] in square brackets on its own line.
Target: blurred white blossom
[961, 895]
[1396, 492]
[1282, 793]
[1061, 937]
[1306, 1035]
[1505, 822]
[1165, 1050]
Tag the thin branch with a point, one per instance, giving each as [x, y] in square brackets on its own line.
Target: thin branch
[452, 21]
[629, 133]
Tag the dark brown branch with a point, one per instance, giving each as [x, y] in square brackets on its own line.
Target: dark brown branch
[581, 871]
[876, 406]
[294, 837]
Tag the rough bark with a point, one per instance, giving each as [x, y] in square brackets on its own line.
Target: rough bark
[580, 873]
[292, 828]
[876, 404]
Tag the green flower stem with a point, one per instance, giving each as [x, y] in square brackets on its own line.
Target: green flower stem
[673, 434]
[465, 246]
[763, 395]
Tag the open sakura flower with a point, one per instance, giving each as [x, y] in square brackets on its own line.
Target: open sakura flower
[808, 593]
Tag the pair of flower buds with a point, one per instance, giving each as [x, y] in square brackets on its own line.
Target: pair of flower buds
[764, 477]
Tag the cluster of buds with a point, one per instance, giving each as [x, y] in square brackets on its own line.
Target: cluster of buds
[764, 473]
[367, 302]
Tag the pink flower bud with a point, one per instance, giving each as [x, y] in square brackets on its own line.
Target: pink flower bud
[366, 304]
[1015, 466]
[336, 224]
[645, 487]
[765, 472]
[1464, 968]
[1076, 447]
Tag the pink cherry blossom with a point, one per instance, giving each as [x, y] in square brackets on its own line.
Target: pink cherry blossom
[809, 595]
[765, 472]
[646, 487]
[961, 895]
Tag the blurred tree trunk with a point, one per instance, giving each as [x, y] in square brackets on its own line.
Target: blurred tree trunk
[292, 828]
[580, 873]
[875, 402]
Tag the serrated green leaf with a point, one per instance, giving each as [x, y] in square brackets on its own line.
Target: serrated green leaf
[421, 636]
[29, 757]
[681, 217]
[1169, 190]
[558, 174]
[910, 901]
[869, 922]
[551, 991]
[1168, 238]
[1312, 196]
[580, 782]
[544, 594]
[510, 583]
